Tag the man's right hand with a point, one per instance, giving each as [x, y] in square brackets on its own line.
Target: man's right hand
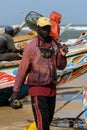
[13, 97]
[14, 102]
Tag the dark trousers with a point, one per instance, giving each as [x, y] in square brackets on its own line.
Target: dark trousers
[43, 110]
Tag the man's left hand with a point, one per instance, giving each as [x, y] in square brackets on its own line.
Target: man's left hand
[63, 49]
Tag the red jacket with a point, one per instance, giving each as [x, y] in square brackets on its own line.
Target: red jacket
[40, 71]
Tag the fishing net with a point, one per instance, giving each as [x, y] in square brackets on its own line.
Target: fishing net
[31, 20]
[69, 122]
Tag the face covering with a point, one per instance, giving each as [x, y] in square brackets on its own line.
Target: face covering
[46, 53]
[43, 33]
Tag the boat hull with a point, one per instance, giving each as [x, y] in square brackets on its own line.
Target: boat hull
[76, 66]
[76, 63]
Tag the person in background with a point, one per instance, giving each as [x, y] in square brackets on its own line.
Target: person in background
[41, 58]
[8, 51]
[82, 38]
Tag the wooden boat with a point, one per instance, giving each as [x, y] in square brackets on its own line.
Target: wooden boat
[21, 40]
[8, 70]
[77, 65]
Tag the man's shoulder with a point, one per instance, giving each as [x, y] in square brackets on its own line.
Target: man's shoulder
[7, 36]
[33, 42]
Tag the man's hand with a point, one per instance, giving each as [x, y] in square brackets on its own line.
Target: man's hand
[63, 49]
[13, 96]
[14, 102]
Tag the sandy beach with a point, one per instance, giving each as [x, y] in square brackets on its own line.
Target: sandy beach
[11, 119]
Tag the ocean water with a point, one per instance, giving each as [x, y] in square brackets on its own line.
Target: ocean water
[73, 32]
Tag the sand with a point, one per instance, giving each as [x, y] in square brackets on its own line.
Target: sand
[11, 119]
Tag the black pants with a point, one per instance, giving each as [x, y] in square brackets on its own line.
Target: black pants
[43, 110]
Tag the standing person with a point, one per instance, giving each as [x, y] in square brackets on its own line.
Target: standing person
[8, 51]
[40, 59]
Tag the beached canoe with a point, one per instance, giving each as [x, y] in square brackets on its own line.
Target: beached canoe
[8, 69]
[21, 40]
[77, 65]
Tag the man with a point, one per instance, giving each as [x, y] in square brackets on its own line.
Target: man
[40, 59]
[8, 52]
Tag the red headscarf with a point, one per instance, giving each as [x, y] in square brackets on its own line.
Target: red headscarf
[55, 19]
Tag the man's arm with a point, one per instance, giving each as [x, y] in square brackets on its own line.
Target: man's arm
[61, 59]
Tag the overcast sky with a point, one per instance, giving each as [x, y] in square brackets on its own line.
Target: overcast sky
[14, 11]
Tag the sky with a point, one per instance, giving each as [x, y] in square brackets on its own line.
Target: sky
[14, 11]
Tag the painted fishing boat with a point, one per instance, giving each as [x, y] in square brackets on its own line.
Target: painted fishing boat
[8, 69]
[21, 40]
[77, 65]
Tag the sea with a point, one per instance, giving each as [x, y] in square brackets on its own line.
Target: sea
[73, 32]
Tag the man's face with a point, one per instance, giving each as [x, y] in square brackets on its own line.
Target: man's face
[44, 31]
